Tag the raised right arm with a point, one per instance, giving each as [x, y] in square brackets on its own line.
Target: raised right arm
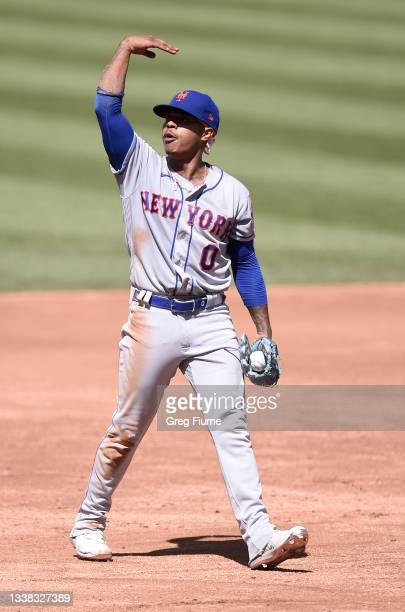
[113, 76]
[116, 130]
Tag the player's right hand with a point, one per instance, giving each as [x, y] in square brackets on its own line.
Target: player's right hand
[140, 45]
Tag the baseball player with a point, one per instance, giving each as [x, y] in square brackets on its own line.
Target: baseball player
[187, 225]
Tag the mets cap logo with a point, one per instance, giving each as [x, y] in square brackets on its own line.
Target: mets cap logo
[182, 95]
[210, 117]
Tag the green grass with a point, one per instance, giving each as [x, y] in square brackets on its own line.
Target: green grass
[312, 94]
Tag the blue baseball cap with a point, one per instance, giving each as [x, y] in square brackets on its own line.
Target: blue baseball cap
[195, 103]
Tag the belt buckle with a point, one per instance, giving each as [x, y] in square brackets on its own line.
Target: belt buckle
[203, 305]
[175, 310]
[173, 307]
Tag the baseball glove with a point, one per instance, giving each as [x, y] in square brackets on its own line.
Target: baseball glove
[271, 372]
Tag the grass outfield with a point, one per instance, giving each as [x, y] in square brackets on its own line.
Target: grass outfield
[312, 94]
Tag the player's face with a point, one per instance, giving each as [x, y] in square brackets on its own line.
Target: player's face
[182, 134]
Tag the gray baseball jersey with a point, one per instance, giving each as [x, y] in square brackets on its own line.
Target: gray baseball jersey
[177, 234]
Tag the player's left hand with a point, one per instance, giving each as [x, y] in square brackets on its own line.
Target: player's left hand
[270, 373]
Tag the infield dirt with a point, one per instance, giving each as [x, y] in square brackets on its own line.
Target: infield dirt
[175, 542]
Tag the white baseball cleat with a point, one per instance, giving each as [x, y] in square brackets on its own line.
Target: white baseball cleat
[90, 544]
[285, 544]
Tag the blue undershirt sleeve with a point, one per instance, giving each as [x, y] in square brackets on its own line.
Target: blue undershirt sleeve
[117, 132]
[247, 274]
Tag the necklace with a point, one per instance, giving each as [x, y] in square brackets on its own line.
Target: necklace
[176, 184]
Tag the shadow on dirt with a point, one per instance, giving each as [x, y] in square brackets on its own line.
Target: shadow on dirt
[230, 547]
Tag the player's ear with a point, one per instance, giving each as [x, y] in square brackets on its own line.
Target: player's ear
[208, 133]
[208, 139]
